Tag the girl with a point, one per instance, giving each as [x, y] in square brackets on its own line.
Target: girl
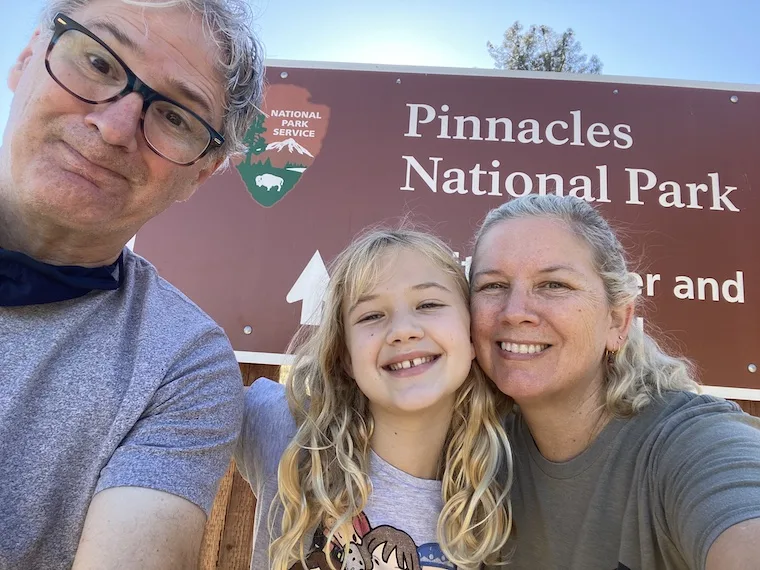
[384, 423]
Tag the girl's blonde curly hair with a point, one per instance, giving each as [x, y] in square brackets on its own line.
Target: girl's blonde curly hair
[323, 473]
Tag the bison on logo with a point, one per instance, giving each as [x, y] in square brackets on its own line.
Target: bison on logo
[282, 143]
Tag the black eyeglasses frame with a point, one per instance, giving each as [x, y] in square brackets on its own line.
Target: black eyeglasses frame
[63, 23]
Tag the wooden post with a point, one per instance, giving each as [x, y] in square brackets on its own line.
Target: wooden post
[752, 408]
[235, 548]
[212, 535]
[229, 529]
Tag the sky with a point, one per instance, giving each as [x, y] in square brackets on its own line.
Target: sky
[705, 40]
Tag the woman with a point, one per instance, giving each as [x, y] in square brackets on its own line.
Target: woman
[618, 462]
[386, 450]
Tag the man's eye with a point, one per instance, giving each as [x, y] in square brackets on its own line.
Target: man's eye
[174, 118]
[554, 285]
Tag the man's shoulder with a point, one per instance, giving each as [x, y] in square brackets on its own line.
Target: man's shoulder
[142, 278]
[172, 330]
[156, 298]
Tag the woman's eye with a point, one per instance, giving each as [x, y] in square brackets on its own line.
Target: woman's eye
[101, 65]
[554, 285]
[491, 286]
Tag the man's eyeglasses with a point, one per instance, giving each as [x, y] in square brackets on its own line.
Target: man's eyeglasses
[86, 67]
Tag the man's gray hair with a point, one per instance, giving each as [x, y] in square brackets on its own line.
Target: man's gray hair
[241, 61]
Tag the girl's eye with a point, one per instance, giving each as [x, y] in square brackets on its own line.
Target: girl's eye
[430, 305]
[367, 318]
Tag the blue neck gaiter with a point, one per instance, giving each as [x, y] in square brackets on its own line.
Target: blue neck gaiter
[26, 281]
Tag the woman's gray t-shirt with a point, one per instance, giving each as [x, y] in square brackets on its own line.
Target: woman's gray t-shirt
[651, 493]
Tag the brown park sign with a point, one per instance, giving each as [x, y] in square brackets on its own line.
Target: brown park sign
[675, 166]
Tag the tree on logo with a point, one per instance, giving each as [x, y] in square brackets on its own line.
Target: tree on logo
[254, 139]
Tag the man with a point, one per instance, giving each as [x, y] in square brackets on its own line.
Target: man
[119, 399]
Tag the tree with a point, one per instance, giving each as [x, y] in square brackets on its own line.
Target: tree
[542, 49]
[253, 138]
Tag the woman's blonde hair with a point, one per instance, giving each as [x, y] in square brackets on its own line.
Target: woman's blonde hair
[641, 368]
[323, 473]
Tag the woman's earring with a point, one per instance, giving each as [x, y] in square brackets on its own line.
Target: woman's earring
[610, 355]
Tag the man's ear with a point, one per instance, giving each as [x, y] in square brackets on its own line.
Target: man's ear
[211, 168]
[236, 158]
[22, 62]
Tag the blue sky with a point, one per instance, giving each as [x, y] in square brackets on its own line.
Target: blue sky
[708, 40]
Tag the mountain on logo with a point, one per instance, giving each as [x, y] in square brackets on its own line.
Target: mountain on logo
[291, 145]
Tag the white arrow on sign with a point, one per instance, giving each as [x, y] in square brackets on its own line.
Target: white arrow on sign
[310, 288]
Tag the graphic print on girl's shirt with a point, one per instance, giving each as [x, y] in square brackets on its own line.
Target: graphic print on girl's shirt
[365, 548]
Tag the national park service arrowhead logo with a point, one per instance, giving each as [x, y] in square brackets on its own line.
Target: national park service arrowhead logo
[282, 143]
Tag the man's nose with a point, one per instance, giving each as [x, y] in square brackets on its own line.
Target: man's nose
[118, 122]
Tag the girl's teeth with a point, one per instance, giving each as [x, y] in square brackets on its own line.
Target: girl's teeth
[411, 363]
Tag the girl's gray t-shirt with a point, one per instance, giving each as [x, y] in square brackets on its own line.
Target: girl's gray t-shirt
[398, 523]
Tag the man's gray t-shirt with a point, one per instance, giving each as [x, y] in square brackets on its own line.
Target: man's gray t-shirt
[651, 493]
[400, 517]
[132, 387]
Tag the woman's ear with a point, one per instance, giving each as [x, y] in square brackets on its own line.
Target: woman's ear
[621, 320]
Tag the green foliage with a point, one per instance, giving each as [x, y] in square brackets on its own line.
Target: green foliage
[254, 139]
[540, 48]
